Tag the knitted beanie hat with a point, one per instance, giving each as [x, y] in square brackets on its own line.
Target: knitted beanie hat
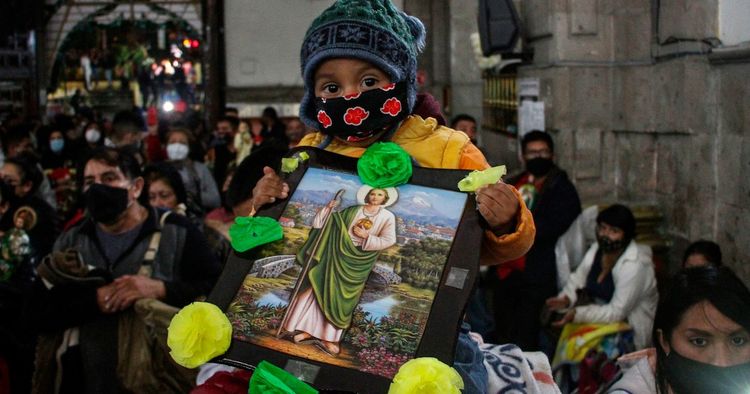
[371, 30]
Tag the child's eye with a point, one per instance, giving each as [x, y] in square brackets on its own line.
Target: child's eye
[370, 82]
[699, 342]
[331, 88]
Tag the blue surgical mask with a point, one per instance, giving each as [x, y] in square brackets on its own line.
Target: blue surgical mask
[57, 145]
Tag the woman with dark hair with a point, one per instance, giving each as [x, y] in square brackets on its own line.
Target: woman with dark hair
[701, 253]
[93, 135]
[55, 148]
[616, 275]
[165, 188]
[273, 127]
[22, 174]
[199, 183]
[702, 337]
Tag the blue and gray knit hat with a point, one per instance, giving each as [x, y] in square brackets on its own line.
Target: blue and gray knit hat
[371, 30]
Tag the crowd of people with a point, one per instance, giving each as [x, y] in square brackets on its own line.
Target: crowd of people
[103, 187]
[104, 220]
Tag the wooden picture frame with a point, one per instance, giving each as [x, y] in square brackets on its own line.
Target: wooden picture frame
[430, 216]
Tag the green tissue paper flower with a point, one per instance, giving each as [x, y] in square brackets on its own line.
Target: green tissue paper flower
[384, 164]
[289, 164]
[270, 379]
[248, 232]
[477, 179]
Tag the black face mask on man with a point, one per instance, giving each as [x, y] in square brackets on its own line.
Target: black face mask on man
[609, 245]
[105, 203]
[539, 166]
[686, 376]
[360, 116]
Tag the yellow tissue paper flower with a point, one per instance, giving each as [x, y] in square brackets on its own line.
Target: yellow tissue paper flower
[477, 179]
[198, 333]
[426, 375]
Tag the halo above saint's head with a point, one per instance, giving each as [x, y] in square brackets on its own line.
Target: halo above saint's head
[365, 189]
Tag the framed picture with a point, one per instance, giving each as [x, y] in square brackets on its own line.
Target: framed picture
[364, 279]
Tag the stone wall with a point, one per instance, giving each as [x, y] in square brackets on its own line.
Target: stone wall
[633, 121]
[641, 123]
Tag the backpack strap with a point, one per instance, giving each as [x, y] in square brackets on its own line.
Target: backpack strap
[153, 247]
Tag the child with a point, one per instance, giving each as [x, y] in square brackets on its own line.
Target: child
[363, 53]
[339, 59]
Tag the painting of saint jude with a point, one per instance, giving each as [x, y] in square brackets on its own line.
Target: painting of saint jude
[353, 280]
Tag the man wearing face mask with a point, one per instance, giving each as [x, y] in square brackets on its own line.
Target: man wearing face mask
[222, 150]
[524, 284]
[117, 237]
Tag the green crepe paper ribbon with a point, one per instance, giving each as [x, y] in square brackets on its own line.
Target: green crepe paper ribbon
[290, 164]
[270, 379]
[248, 232]
[477, 179]
[384, 164]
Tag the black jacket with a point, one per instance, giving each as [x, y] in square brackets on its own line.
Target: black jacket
[184, 262]
[558, 206]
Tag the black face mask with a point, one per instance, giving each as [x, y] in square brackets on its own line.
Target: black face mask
[608, 245]
[360, 116]
[687, 376]
[539, 166]
[105, 203]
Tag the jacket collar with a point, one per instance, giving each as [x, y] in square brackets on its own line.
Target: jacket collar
[631, 253]
[149, 226]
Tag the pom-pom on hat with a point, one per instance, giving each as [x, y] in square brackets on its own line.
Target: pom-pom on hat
[371, 30]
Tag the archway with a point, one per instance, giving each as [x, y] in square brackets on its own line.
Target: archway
[127, 37]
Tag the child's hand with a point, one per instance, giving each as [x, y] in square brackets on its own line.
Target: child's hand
[499, 206]
[268, 189]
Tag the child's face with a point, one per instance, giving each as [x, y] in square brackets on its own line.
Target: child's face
[340, 77]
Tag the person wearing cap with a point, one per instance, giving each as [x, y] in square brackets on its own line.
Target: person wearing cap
[363, 53]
